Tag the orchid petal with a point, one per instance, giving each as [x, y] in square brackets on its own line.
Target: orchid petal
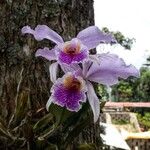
[49, 102]
[109, 69]
[46, 53]
[43, 32]
[86, 66]
[27, 29]
[93, 101]
[88, 63]
[53, 71]
[92, 36]
[70, 68]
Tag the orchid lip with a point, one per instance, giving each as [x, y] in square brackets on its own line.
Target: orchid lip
[71, 52]
[72, 83]
[71, 49]
[69, 91]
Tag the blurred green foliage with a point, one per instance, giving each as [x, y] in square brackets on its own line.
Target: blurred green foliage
[144, 120]
[133, 89]
[120, 121]
[121, 39]
[102, 91]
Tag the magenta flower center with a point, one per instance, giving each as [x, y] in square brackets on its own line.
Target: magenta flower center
[72, 83]
[71, 49]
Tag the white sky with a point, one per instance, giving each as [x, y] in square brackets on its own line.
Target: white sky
[132, 19]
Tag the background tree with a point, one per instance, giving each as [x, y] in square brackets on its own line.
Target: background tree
[145, 84]
[24, 79]
[121, 39]
[147, 64]
[134, 89]
[123, 91]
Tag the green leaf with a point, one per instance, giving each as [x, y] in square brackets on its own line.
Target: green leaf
[60, 113]
[79, 126]
[87, 147]
[43, 122]
[75, 118]
[20, 110]
[4, 132]
[49, 131]
[76, 131]
[40, 144]
[52, 147]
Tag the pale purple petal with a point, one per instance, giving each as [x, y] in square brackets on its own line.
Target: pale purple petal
[46, 53]
[53, 69]
[88, 63]
[43, 32]
[70, 68]
[92, 36]
[93, 101]
[74, 42]
[27, 29]
[86, 66]
[109, 69]
[49, 102]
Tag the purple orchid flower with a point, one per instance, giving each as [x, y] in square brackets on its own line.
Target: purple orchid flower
[73, 51]
[69, 91]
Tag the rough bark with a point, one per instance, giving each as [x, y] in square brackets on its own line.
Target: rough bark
[20, 71]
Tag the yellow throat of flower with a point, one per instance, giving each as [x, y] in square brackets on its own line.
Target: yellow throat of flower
[70, 49]
[72, 83]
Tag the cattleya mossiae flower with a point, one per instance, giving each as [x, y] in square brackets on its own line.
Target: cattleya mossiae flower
[73, 51]
[69, 91]
[75, 87]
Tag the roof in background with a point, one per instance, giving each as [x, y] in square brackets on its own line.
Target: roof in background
[127, 104]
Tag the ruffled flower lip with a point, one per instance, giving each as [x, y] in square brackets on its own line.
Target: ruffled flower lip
[72, 58]
[72, 52]
[69, 92]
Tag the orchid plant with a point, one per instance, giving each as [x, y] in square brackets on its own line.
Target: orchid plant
[81, 69]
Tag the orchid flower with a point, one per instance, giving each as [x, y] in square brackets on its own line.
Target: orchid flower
[69, 91]
[73, 51]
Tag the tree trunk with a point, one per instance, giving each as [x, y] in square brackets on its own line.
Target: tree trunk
[20, 71]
